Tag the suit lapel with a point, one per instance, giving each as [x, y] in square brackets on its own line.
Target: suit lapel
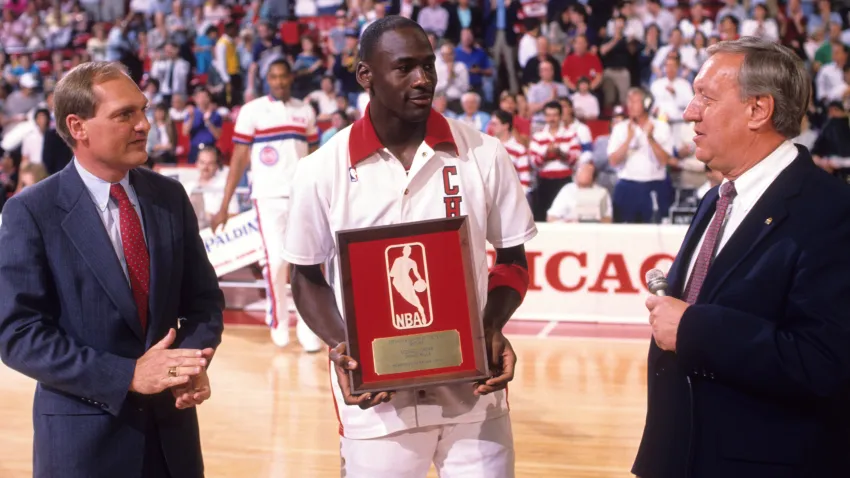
[678, 270]
[87, 233]
[158, 232]
[765, 217]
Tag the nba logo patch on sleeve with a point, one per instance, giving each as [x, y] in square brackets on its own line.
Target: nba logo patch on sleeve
[352, 175]
[269, 156]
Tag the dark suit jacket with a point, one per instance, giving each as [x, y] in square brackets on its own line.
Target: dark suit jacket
[490, 30]
[476, 25]
[69, 321]
[758, 386]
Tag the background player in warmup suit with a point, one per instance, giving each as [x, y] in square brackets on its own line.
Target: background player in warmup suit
[273, 132]
[404, 162]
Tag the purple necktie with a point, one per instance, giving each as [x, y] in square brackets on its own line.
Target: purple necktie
[709, 245]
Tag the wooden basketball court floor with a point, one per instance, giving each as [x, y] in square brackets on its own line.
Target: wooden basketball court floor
[577, 404]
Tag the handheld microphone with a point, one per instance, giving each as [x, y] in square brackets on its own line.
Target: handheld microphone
[656, 282]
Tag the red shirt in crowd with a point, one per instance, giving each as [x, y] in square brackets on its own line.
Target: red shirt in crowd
[576, 66]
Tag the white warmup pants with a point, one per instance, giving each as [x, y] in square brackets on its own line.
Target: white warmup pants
[272, 214]
[467, 450]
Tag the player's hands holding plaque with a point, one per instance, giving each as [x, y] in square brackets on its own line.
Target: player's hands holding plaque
[502, 363]
[342, 365]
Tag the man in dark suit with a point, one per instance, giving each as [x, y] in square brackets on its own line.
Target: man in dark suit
[749, 368]
[107, 298]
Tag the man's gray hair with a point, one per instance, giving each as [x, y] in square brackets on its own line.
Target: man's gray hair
[770, 69]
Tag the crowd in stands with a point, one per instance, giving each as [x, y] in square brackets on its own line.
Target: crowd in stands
[587, 96]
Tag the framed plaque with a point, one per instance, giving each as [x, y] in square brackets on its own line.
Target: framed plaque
[410, 305]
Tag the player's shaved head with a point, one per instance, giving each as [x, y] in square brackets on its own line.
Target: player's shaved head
[372, 36]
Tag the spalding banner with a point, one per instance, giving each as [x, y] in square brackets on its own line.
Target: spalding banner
[237, 245]
[594, 272]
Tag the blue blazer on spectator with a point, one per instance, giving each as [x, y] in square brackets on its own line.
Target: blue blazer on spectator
[69, 321]
[759, 386]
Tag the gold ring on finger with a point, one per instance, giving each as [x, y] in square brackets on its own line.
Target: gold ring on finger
[172, 372]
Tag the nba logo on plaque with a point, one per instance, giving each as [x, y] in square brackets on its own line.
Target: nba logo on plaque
[409, 299]
[407, 277]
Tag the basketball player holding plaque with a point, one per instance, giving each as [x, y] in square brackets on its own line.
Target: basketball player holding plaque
[404, 163]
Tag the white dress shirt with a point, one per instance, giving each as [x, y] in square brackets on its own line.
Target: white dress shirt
[455, 87]
[107, 209]
[749, 187]
[641, 165]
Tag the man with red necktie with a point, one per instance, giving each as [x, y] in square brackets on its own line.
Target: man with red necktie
[107, 297]
[749, 367]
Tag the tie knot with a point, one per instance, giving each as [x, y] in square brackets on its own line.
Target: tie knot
[727, 190]
[117, 192]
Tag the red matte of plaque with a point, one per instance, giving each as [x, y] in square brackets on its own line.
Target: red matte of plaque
[383, 297]
[371, 294]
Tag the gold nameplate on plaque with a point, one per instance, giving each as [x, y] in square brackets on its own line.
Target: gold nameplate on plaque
[412, 353]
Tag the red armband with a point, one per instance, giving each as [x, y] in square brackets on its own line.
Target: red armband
[509, 275]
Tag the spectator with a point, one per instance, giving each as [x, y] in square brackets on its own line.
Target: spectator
[325, 99]
[730, 28]
[633, 29]
[20, 102]
[761, 25]
[307, 69]
[617, 60]
[8, 175]
[543, 92]
[379, 11]
[662, 18]
[472, 114]
[824, 16]
[642, 147]
[700, 44]
[520, 126]
[832, 148]
[687, 56]
[345, 67]
[733, 8]
[586, 104]
[12, 32]
[226, 63]
[561, 34]
[204, 46]
[405, 8]
[823, 55]
[554, 152]
[56, 153]
[96, 45]
[830, 77]
[500, 16]
[528, 43]
[582, 200]
[207, 192]
[172, 73]
[30, 175]
[477, 63]
[792, 27]
[342, 104]
[339, 121]
[462, 16]
[202, 124]
[33, 143]
[452, 76]
[672, 93]
[576, 128]
[531, 72]
[697, 21]
[434, 18]
[712, 180]
[582, 63]
[336, 35]
[501, 127]
[179, 109]
[24, 66]
[267, 48]
[162, 138]
[650, 48]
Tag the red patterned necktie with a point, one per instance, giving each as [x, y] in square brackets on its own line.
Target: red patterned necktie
[709, 244]
[135, 251]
